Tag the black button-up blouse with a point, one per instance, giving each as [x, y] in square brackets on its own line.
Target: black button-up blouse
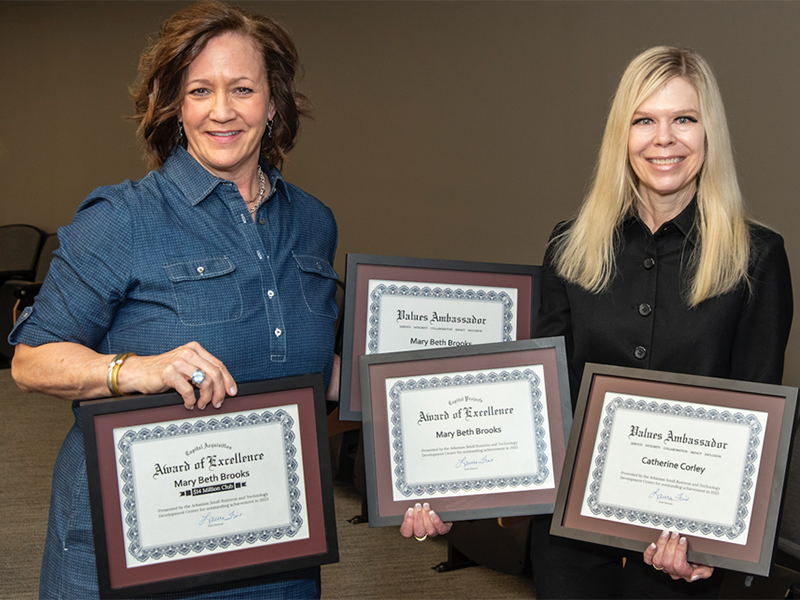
[642, 319]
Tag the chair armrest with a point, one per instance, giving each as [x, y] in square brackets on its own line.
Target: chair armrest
[23, 290]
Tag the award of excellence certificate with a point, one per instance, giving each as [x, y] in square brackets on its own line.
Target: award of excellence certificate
[208, 485]
[404, 315]
[467, 433]
[675, 465]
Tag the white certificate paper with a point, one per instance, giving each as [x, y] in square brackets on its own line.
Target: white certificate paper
[466, 433]
[405, 315]
[201, 486]
[676, 465]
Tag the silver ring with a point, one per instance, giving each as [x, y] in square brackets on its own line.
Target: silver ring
[198, 377]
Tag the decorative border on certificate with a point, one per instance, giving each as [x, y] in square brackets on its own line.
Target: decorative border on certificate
[433, 286]
[749, 450]
[702, 456]
[128, 496]
[540, 447]
[182, 500]
[501, 298]
[478, 431]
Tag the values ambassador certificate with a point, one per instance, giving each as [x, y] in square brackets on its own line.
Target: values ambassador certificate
[703, 457]
[407, 315]
[396, 304]
[469, 433]
[202, 486]
[676, 465]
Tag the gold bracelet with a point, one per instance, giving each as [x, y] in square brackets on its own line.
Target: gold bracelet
[113, 372]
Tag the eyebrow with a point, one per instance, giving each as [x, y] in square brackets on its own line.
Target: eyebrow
[203, 81]
[680, 111]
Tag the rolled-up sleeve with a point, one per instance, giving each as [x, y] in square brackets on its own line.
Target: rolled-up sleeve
[87, 280]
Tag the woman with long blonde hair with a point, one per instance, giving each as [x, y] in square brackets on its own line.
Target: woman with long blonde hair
[661, 269]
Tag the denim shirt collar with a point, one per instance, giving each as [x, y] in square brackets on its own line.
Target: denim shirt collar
[197, 184]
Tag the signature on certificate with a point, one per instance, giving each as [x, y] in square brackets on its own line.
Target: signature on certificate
[468, 465]
[211, 520]
[658, 495]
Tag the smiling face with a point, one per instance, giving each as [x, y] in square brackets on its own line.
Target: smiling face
[666, 144]
[226, 106]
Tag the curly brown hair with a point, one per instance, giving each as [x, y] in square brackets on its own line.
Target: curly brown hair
[159, 89]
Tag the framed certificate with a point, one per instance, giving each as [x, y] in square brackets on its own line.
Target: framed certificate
[182, 499]
[700, 456]
[393, 304]
[477, 431]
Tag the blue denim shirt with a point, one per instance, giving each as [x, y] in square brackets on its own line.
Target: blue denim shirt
[149, 265]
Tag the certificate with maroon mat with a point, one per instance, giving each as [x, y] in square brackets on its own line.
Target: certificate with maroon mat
[182, 499]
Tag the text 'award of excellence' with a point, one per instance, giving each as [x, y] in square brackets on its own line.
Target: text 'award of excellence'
[477, 431]
[182, 499]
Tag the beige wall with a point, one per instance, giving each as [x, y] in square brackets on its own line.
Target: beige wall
[460, 130]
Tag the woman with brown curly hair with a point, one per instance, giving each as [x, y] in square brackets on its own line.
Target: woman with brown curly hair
[209, 271]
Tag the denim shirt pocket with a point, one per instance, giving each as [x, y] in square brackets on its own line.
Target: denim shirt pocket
[206, 290]
[318, 284]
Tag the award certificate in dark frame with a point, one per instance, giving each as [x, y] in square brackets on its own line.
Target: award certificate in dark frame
[433, 303]
[701, 456]
[479, 432]
[184, 499]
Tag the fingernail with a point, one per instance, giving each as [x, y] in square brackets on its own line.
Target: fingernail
[426, 506]
[653, 546]
[683, 541]
[218, 404]
[232, 390]
[203, 407]
[191, 407]
[431, 514]
[695, 578]
[664, 534]
[674, 535]
[418, 506]
[410, 510]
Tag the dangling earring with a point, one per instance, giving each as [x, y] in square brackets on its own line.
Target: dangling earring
[180, 131]
[269, 128]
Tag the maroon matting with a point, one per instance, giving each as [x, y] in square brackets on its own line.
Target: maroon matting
[212, 568]
[522, 282]
[384, 510]
[726, 394]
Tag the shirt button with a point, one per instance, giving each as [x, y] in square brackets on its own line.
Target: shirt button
[270, 293]
[262, 220]
[278, 332]
[640, 352]
[319, 267]
[648, 263]
[645, 309]
[201, 270]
